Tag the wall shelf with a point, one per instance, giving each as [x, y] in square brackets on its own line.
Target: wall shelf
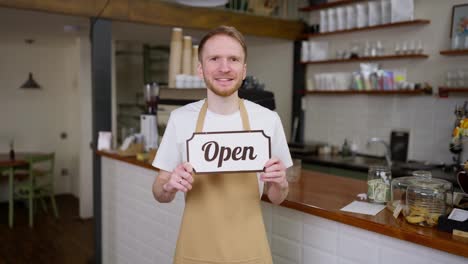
[390, 25]
[371, 92]
[445, 91]
[462, 52]
[376, 58]
[328, 5]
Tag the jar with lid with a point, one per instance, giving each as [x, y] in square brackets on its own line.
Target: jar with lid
[399, 185]
[426, 200]
[378, 184]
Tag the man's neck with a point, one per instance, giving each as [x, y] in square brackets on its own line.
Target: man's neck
[222, 105]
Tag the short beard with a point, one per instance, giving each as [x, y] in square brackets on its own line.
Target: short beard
[225, 93]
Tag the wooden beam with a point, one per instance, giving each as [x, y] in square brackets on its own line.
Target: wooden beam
[165, 14]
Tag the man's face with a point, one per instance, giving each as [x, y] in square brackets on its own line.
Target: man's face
[222, 65]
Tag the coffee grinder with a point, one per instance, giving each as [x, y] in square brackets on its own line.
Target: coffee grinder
[148, 120]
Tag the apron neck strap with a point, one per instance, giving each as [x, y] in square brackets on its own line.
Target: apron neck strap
[202, 115]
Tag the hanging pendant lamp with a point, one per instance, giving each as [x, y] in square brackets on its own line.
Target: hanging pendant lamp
[30, 83]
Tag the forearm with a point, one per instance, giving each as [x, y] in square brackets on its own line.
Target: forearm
[277, 193]
[159, 193]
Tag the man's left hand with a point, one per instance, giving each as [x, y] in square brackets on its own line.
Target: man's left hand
[275, 173]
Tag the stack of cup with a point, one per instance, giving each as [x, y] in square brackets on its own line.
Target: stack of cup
[175, 56]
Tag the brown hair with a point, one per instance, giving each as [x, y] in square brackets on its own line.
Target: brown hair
[223, 30]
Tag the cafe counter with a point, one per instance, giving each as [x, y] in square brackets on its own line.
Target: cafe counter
[308, 227]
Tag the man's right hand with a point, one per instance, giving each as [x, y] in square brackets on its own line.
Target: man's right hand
[181, 179]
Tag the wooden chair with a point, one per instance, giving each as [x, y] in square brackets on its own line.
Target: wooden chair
[37, 183]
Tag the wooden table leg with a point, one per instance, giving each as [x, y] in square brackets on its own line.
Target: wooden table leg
[10, 198]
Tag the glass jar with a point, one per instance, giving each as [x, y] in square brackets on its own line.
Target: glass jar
[378, 184]
[426, 200]
[399, 185]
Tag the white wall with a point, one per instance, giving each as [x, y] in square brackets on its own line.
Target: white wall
[271, 61]
[428, 118]
[36, 118]
[84, 183]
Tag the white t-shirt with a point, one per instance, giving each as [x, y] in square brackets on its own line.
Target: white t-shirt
[182, 123]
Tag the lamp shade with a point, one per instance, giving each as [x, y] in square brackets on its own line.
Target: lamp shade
[30, 83]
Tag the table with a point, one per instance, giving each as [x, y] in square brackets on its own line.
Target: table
[21, 161]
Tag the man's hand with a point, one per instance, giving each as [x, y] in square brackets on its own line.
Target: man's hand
[275, 177]
[181, 179]
[167, 184]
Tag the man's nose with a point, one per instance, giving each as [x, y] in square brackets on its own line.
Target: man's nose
[224, 65]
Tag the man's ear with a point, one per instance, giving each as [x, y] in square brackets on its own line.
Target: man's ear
[200, 70]
[244, 71]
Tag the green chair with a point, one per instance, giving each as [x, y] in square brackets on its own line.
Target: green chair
[38, 183]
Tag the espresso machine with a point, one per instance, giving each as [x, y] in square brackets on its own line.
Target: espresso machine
[148, 120]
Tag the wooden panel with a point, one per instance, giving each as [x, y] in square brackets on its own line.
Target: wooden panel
[462, 52]
[69, 7]
[165, 14]
[445, 91]
[161, 13]
[371, 92]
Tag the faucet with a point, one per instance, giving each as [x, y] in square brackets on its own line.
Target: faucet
[388, 157]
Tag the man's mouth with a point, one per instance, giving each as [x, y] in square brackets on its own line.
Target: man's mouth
[224, 80]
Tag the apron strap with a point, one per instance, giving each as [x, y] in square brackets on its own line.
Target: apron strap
[244, 116]
[201, 116]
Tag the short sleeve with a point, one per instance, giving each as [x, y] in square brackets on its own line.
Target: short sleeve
[168, 156]
[279, 146]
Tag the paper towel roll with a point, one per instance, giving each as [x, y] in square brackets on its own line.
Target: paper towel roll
[175, 56]
[194, 60]
[187, 56]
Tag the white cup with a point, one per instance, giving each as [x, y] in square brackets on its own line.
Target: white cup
[362, 15]
[331, 19]
[350, 17]
[455, 42]
[323, 21]
[341, 18]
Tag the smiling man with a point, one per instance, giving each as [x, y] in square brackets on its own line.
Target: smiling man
[222, 221]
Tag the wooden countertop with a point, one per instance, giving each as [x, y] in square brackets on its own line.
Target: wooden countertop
[323, 195]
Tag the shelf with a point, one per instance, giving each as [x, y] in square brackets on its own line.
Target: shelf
[371, 92]
[328, 5]
[461, 52]
[376, 58]
[178, 96]
[390, 25]
[445, 91]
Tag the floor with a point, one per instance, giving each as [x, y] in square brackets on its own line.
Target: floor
[67, 239]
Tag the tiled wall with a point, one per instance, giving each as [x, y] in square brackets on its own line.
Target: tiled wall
[429, 120]
[137, 229]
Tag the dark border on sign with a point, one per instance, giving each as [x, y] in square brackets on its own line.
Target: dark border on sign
[229, 132]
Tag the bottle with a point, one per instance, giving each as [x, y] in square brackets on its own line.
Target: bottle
[12, 151]
[345, 149]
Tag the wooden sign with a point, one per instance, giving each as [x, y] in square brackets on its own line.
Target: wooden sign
[229, 151]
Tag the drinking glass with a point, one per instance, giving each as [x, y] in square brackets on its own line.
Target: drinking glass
[378, 184]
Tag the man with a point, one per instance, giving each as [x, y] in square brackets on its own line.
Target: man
[222, 221]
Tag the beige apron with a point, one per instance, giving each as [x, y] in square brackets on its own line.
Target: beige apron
[222, 221]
